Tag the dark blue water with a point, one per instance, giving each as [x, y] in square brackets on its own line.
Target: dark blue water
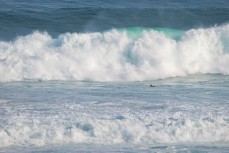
[20, 17]
[75, 76]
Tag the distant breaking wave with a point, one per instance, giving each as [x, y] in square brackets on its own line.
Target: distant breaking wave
[127, 54]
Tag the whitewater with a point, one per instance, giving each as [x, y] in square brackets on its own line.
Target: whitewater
[54, 116]
[117, 55]
[114, 76]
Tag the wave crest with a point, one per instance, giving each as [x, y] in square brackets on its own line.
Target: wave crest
[116, 55]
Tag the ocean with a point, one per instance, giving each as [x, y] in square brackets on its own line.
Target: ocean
[125, 76]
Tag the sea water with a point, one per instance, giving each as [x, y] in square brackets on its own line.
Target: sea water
[183, 114]
[75, 76]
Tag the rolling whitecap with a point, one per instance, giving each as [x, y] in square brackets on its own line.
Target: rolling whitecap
[126, 54]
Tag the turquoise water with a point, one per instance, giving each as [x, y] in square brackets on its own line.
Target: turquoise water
[75, 76]
[135, 32]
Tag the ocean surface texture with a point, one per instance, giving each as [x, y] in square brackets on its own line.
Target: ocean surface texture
[127, 76]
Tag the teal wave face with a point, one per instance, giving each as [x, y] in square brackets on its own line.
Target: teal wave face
[135, 32]
[172, 33]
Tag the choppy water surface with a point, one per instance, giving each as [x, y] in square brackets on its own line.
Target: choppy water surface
[189, 113]
[75, 76]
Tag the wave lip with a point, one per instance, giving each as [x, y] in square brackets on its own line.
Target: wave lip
[117, 55]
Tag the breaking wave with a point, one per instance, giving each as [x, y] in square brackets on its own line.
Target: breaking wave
[102, 124]
[128, 54]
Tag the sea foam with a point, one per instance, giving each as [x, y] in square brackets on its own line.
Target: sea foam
[91, 123]
[115, 55]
